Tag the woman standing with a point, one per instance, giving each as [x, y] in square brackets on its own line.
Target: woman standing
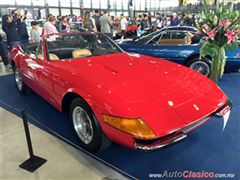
[63, 25]
[88, 24]
[49, 26]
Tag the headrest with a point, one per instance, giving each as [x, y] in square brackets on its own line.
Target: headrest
[81, 53]
[53, 56]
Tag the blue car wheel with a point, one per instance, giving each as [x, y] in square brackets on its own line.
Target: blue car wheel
[202, 66]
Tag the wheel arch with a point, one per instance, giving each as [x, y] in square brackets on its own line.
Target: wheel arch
[192, 56]
[66, 103]
[68, 98]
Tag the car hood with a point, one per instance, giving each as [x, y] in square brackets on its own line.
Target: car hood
[142, 81]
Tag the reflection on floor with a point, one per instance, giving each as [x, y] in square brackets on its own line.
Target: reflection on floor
[3, 69]
[63, 161]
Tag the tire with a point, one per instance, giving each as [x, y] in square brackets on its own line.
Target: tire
[202, 66]
[21, 86]
[86, 127]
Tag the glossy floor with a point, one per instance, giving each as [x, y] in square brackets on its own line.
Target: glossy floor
[63, 161]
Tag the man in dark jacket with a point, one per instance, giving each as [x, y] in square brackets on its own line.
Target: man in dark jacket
[175, 21]
[10, 27]
[22, 29]
[3, 53]
[97, 21]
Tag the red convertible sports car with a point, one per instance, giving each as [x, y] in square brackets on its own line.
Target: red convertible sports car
[137, 101]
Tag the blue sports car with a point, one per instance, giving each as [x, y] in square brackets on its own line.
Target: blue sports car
[180, 45]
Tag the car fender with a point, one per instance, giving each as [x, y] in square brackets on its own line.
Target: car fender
[100, 102]
[99, 107]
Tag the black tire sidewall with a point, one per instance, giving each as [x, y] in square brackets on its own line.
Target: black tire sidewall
[206, 60]
[97, 140]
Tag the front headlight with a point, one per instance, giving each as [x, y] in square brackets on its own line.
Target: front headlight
[136, 127]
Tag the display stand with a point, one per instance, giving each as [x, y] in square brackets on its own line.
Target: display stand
[34, 162]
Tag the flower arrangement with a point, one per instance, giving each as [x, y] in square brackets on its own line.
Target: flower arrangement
[220, 29]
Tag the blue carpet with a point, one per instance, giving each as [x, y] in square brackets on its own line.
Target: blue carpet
[206, 149]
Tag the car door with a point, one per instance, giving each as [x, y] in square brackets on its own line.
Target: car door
[172, 46]
[33, 66]
[28, 65]
[45, 74]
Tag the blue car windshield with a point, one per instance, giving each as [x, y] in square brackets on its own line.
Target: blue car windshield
[146, 38]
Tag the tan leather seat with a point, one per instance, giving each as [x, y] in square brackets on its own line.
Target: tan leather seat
[172, 41]
[40, 57]
[51, 56]
[188, 38]
[79, 53]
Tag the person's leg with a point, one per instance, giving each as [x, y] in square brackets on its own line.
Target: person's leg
[3, 54]
[5, 60]
[123, 34]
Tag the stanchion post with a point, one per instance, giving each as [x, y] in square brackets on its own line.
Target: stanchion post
[34, 162]
[28, 137]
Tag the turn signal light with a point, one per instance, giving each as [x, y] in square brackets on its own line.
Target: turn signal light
[136, 127]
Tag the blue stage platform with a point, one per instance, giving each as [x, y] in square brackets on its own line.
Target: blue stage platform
[207, 148]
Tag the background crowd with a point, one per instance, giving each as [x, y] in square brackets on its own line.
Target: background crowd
[15, 27]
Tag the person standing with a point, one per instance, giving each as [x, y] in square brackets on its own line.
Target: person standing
[168, 21]
[22, 27]
[106, 24]
[88, 24]
[163, 20]
[124, 23]
[4, 55]
[94, 23]
[139, 31]
[193, 21]
[10, 27]
[58, 22]
[63, 26]
[35, 36]
[175, 21]
[159, 21]
[143, 22]
[97, 21]
[49, 26]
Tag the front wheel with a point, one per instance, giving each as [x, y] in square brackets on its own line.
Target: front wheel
[202, 66]
[22, 87]
[86, 127]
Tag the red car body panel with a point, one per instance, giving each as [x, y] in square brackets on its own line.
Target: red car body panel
[166, 95]
[129, 28]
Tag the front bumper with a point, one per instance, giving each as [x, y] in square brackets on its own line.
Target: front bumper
[148, 145]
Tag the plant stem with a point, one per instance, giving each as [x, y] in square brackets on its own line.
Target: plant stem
[215, 69]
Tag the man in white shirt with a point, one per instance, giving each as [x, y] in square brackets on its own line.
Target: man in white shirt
[124, 23]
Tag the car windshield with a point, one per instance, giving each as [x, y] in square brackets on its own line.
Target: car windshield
[79, 45]
[145, 39]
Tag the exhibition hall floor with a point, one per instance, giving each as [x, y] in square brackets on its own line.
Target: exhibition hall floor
[208, 148]
[63, 160]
